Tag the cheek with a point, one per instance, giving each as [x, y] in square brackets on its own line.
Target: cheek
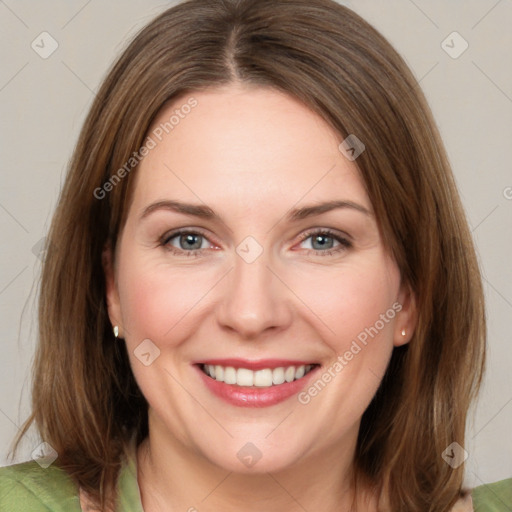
[157, 299]
[350, 301]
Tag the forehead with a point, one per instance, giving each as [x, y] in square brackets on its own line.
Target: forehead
[245, 146]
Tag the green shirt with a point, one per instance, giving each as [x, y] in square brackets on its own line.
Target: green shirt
[27, 487]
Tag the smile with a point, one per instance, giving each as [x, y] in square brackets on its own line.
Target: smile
[263, 378]
[263, 383]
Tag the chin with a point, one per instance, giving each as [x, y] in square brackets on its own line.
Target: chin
[258, 457]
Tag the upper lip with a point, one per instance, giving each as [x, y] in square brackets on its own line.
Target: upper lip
[254, 365]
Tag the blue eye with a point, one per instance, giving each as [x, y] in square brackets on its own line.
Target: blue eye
[323, 242]
[188, 242]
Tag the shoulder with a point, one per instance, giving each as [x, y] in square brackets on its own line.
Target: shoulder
[493, 497]
[28, 486]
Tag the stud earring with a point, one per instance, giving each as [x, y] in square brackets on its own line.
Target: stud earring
[403, 332]
[116, 331]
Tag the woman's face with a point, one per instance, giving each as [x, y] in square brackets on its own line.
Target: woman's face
[263, 285]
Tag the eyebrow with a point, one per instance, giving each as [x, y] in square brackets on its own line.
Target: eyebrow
[205, 212]
[317, 209]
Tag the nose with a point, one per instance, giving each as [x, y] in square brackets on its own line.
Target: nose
[255, 300]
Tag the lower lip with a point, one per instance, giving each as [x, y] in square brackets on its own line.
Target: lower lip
[243, 396]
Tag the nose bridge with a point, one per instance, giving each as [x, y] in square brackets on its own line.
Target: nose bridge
[254, 298]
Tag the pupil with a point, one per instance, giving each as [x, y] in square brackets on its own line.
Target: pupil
[189, 239]
[323, 244]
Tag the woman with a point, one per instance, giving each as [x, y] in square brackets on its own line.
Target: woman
[260, 289]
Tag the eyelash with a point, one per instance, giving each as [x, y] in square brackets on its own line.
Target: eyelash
[344, 243]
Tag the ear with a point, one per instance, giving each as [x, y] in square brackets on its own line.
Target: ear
[111, 291]
[407, 316]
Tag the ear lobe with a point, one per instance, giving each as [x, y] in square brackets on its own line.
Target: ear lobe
[111, 293]
[406, 319]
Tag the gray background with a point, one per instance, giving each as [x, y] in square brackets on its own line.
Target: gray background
[43, 103]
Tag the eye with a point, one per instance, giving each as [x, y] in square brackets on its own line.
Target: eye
[322, 242]
[188, 242]
[325, 242]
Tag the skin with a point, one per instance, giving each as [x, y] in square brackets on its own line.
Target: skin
[251, 154]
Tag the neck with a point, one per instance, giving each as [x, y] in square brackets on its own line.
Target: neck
[176, 478]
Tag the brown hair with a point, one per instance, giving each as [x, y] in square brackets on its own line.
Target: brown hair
[85, 400]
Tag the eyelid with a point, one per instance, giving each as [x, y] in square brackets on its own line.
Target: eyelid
[164, 239]
[326, 231]
[344, 240]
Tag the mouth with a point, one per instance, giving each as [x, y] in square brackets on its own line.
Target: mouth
[262, 378]
[263, 383]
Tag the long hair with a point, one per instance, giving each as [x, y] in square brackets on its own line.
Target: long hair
[85, 400]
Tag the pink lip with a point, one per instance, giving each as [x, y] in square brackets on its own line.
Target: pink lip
[242, 396]
[255, 365]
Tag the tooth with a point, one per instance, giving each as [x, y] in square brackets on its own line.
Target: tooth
[289, 374]
[230, 375]
[263, 378]
[278, 376]
[244, 377]
[260, 378]
[219, 373]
